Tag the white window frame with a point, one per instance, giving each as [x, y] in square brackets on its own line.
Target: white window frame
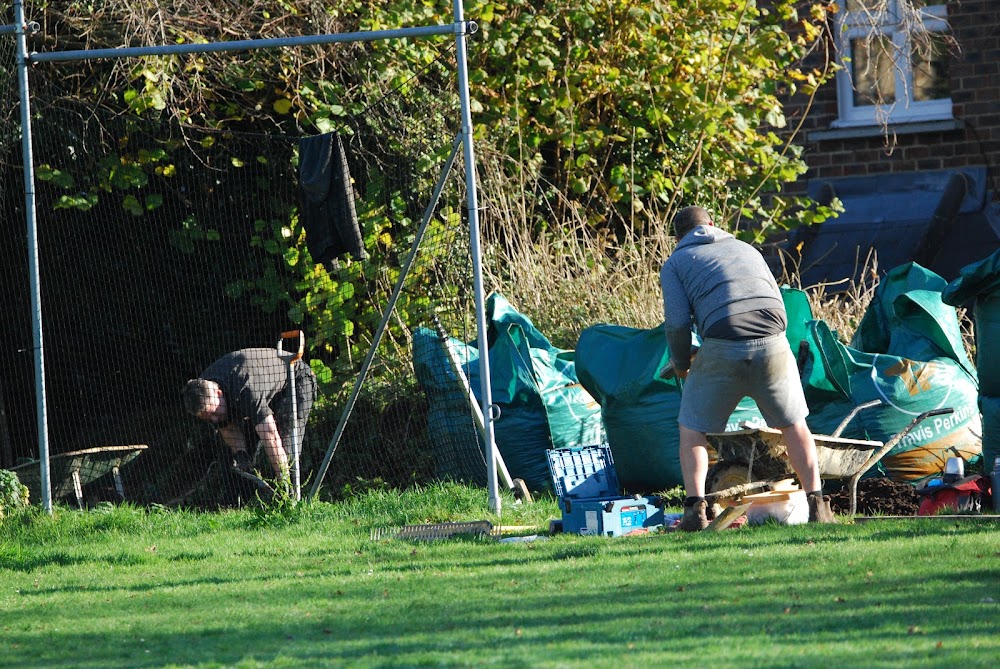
[852, 25]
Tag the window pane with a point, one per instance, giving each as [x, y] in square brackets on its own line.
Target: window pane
[930, 67]
[868, 6]
[872, 70]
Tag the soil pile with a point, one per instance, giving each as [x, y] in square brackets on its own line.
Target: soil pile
[878, 496]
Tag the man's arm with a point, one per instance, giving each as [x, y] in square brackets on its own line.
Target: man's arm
[232, 435]
[681, 351]
[676, 320]
[267, 430]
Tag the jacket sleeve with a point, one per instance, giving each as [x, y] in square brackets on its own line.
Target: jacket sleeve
[677, 318]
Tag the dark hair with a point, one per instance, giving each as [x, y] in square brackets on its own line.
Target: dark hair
[195, 394]
[688, 218]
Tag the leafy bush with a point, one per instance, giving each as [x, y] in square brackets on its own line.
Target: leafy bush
[620, 111]
[13, 494]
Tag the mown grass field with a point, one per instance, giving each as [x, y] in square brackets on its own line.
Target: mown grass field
[310, 587]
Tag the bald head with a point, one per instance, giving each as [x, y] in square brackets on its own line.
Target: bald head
[688, 218]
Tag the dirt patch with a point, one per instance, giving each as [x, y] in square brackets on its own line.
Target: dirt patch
[879, 496]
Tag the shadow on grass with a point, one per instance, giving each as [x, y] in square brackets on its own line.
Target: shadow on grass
[770, 596]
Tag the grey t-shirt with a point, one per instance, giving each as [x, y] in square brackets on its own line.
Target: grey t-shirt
[710, 277]
[250, 379]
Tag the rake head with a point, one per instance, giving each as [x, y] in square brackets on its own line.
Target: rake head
[434, 531]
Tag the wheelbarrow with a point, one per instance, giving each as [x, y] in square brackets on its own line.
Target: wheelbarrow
[70, 472]
[754, 458]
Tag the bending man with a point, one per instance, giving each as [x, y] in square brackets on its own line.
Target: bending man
[726, 289]
[245, 394]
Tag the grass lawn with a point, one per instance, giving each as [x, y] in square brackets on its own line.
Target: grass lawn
[126, 587]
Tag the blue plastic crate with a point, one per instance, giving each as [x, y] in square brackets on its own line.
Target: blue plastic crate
[590, 498]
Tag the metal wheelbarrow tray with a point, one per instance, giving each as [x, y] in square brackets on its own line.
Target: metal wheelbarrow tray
[69, 472]
[752, 458]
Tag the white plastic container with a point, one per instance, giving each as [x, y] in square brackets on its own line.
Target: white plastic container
[954, 470]
[788, 507]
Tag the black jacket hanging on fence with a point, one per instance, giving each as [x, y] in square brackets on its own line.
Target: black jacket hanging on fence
[327, 200]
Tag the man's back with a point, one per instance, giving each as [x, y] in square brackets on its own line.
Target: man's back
[249, 378]
[712, 275]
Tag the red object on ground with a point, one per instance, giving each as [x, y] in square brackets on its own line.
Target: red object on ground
[965, 495]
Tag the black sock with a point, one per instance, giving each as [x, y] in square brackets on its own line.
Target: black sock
[691, 501]
[815, 493]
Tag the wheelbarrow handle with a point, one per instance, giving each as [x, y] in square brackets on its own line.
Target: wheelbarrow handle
[292, 334]
[854, 412]
[886, 447]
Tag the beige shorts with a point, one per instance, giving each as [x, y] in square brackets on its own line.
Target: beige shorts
[724, 372]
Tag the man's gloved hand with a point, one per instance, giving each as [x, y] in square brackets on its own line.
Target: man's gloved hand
[668, 371]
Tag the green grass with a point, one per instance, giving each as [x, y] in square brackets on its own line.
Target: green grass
[122, 587]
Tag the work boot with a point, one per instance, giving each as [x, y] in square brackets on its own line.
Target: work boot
[819, 509]
[695, 518]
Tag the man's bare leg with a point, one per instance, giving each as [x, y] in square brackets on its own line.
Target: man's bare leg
[693, 452]
[802, 455]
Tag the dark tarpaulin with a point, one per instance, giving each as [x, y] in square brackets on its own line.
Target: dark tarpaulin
[328, 213]
[940, 219]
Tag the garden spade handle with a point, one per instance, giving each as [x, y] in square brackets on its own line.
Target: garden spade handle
[296, 436]
[291, 334]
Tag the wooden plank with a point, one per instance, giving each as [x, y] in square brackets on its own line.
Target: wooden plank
[728, 516]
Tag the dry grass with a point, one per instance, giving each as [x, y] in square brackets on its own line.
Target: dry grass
[567, 278]
[571, 282]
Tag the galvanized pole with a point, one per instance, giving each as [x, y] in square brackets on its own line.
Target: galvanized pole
[239, 45]
[20, 27]
[477, 265]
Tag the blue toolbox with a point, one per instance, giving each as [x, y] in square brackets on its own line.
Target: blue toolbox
[590, 498]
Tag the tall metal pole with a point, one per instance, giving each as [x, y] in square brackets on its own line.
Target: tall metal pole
[20, 27]
[472, 199]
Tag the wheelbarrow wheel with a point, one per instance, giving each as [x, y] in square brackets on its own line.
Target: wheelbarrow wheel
[727, 475]
[722, 476]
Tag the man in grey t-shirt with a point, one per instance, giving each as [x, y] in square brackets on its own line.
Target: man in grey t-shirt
[724, 287]
[245, 394]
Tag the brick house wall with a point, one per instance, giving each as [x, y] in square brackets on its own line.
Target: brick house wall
[904, 225]
[973, 138]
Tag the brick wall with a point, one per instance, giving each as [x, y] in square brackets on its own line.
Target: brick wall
[975, 83]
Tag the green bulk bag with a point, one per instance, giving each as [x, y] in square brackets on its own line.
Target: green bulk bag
[907, 388]
[990, 409]
[620, 367]
[541, 403]
[979, 283]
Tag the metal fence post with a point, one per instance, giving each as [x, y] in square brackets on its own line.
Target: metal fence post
[29, 207]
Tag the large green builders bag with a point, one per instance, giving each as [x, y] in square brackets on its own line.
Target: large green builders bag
[913, 361]
[541, 404]
[620, 367]
[908, 315]
[979, 283]
[990, 409]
